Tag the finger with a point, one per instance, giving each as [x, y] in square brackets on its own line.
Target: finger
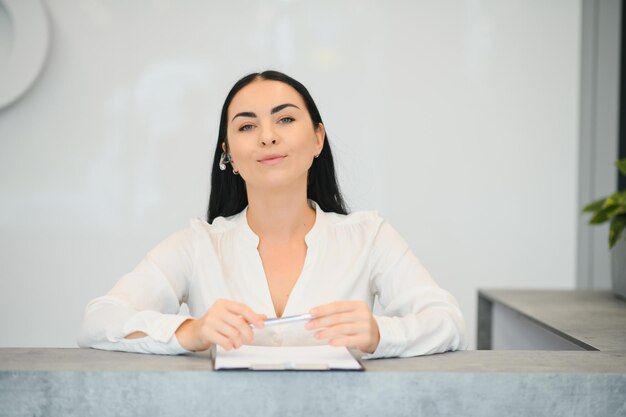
[332, 308]
[334, 319]
[340, 330]
[236, 340]
[221, 340]
[347, 341]
[261, 323]
[240, 324]
[338, 307]
[246, 312]
[227, 331]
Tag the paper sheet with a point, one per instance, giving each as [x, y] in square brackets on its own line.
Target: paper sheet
[286, 358]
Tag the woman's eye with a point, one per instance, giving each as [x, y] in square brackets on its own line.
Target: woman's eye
[286, 120]
[245, 128]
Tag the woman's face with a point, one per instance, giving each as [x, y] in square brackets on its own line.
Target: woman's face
[271, 136]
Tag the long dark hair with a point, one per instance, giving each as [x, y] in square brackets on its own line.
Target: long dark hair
[228, 191]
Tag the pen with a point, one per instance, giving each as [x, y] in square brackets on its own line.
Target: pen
[289, 319]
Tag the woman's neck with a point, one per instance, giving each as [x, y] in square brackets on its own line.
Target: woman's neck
[279, 217]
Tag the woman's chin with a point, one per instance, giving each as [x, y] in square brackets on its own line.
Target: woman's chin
[273, 182]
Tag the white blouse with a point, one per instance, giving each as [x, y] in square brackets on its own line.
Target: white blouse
[349, 257]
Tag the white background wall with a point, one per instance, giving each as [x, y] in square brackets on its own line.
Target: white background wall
[457, 120]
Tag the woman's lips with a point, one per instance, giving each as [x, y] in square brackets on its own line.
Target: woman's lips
[272, 160]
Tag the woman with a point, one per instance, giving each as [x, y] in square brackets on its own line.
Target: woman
[278, 241]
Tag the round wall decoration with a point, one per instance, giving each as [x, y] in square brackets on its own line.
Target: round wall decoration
[28, 50]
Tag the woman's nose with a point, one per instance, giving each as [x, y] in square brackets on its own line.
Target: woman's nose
[267, 137]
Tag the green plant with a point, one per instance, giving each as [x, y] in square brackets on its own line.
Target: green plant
[611, 208]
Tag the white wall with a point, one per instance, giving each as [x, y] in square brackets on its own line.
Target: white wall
[601, 38]
[457, 120]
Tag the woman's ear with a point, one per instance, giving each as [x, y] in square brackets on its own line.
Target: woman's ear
[229, 158]
[320, 134]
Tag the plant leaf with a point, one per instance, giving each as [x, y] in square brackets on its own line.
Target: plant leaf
[621, 165]
[595, 206]
[615, 198]
[615, 231]
[605, 214]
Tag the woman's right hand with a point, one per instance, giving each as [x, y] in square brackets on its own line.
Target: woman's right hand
[226, 323]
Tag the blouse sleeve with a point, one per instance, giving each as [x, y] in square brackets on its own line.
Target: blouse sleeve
[418, 317]
[146, 300]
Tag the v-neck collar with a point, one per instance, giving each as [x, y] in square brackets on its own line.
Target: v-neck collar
[310, 238]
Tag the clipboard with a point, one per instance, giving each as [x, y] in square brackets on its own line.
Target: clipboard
[286, 358]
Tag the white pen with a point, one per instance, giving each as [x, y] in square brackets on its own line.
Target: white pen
[289, 319]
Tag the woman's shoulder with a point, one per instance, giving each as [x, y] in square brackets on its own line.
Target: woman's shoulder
[366, 226]
[219, 225]
[368, 219]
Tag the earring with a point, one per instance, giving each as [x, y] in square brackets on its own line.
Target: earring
[317, 156]
[235, 172]
[224, 159]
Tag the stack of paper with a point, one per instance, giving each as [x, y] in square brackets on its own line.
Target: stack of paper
[286, 358]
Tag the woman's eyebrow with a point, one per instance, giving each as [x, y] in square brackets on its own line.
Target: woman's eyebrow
[282, 106]
[274, 110]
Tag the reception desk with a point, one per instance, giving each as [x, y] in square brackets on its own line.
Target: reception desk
[583, 320]
[85, 382]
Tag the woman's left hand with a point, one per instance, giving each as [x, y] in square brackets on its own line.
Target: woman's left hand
[346, 323]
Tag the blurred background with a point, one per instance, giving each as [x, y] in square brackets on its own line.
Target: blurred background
[477, 128]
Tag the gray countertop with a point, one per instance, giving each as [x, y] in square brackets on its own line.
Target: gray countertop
[477, 361]
[86, 382]
[595, 320]
[485, 383]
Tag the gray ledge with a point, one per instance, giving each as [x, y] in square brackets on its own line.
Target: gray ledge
[86, 382]
[591, 319]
